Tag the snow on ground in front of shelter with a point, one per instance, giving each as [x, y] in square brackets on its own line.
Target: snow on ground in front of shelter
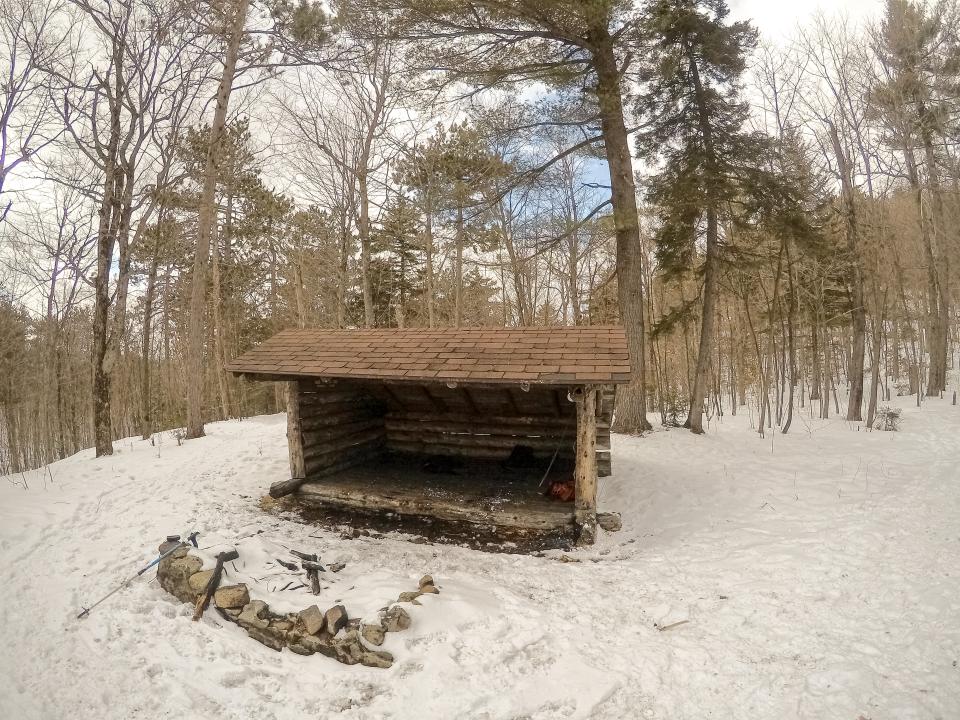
[818, 574]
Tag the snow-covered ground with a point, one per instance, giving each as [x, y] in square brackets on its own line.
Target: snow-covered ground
[818, 572]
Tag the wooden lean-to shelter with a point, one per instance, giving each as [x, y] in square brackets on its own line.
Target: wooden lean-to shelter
[465, 428]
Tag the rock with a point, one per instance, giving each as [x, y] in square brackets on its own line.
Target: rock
[312, 619]
[426, 580]
[396, 619]
[251, 615]
[198, 581]
[609, 521]
[232, 596]
[429, 590]
[336, 619]
[174, 575]
[376, 658]
[410, 597]
[281, 625]
[349, 649]
[180, 552]
[336, 567]
[322, 644]
[299, 649]
[233, 613]
[270, 637]
[373, 634]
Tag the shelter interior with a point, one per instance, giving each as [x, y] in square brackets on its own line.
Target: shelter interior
[470, 459]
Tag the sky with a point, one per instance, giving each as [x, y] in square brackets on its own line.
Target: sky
[777, 19]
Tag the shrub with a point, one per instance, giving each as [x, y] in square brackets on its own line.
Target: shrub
[888, 419]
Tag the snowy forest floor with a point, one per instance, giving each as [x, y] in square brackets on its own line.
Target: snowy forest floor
[818, 572]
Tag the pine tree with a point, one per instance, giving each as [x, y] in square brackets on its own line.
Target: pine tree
[919, 55]
[695, 125]
[401, 269]
[581, 48]
[449, 177]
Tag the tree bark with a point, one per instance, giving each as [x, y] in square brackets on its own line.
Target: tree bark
[710, 269]
[940, 315]
[106, 238]
[875, 360]
[364, 229]
[858, 313]
[791, 346]
[146, 416]
[458, 270]
[428, 265]
[702, 372]
[207, 218]
[631, 402]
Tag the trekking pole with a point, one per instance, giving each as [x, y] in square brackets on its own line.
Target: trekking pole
[192, 538]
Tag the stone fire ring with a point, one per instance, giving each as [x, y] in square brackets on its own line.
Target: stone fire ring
[306, 632]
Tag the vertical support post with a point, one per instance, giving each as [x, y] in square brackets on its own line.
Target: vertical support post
[294, 434]
[585, 471]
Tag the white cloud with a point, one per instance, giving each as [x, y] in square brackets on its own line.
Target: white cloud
[778, 19]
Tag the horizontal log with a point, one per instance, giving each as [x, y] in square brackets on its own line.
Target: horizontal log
[286, 487]
[372, 453]
[311, 451]
[507, 442]
[263, 377]
[543, 420]
[329, 433]
[480, 451]
[475, 428]
[335, 408]
[328, 398]
[315, 422]
[345, 457]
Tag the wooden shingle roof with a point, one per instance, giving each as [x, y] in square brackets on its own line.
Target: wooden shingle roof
[547, 355]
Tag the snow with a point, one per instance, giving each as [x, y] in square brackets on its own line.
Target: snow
[818, 574]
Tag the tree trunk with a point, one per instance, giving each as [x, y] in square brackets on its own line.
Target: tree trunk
[428, 269]
[940, 325]
[146, 416]
[631, 402]
[858, 313]
[700, 378]
[875, 361]
[343, 267]
[206, 220]
[219, 358]
[458, 270]
[707, 320]
[791, 347]
[364, 228]
[106, 238]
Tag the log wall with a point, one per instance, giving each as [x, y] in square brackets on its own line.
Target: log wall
[340, 426]
[480, 436]
[344, 423]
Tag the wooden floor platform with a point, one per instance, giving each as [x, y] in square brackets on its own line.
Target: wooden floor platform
[469, 497]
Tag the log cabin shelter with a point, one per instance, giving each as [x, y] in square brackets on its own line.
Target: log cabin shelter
[466, 430]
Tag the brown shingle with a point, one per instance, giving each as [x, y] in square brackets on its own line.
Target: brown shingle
[554, 356]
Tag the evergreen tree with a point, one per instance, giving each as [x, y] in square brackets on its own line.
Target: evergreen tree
[400, 267]
[449, 177]
[695, 126]
[919, 54]
[581, 49]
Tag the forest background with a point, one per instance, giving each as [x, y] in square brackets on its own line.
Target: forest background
[775, 221]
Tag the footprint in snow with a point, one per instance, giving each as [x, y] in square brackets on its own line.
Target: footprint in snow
[235, 679]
